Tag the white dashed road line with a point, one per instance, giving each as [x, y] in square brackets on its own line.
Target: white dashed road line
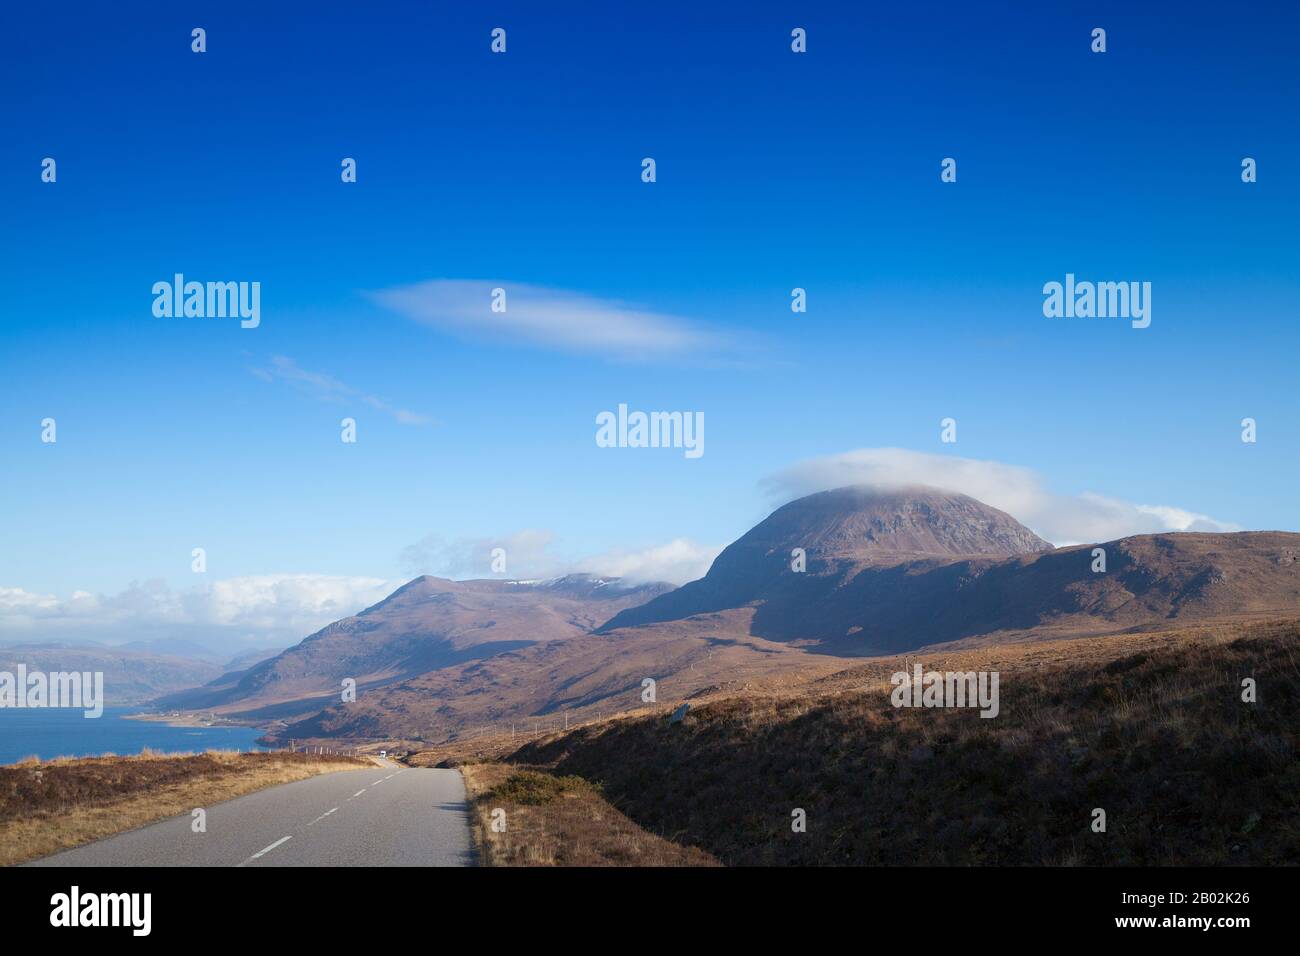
[265, 851]
[322, 816]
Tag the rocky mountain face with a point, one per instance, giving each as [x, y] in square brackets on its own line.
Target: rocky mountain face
[840, 533]
[863, 523]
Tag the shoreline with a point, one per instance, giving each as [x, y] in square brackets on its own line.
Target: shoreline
[180, 719]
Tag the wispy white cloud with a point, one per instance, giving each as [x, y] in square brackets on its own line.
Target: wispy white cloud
[258, 610]
[326, 388]
[1020, 492]
[554, 319]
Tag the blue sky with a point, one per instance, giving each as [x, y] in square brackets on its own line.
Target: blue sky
[774, 171]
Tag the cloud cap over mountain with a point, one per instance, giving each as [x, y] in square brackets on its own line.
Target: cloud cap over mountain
[1019, 491]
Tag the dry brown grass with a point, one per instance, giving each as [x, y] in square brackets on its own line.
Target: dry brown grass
[55, 805]
[1151, 728]
[560, 821]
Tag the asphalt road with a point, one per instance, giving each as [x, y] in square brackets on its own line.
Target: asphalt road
[385, 816]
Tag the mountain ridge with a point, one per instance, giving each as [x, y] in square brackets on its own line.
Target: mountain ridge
[426, 624]
[886, 572]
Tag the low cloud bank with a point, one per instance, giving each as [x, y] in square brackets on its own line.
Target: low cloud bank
[531, 553]
[228, 615]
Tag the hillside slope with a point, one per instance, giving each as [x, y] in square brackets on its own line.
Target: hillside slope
[1152, 731]
[578, 678]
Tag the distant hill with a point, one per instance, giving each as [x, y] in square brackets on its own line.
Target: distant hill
[130, 676]
[174, 647]
[246, 659]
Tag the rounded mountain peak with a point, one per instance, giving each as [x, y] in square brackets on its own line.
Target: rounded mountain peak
[870, 523]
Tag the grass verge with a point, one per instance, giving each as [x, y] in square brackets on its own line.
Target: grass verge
[559, 821]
